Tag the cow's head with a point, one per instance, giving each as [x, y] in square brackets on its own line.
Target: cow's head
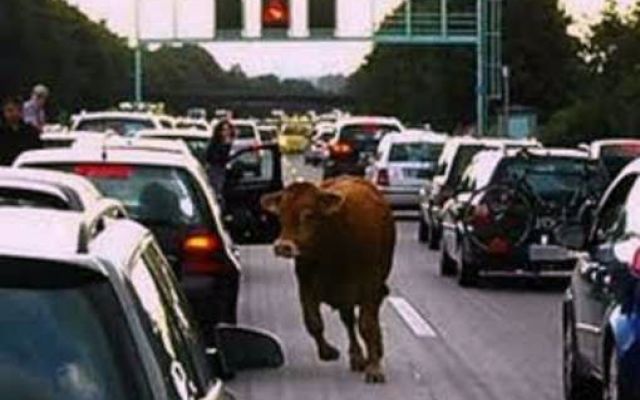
[302, 207]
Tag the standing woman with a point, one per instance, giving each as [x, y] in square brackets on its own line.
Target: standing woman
[218, 154]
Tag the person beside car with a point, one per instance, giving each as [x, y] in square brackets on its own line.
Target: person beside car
[218, 153]
[33, 110]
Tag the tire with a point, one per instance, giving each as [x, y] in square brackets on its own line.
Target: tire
[612, 390]
[423, 231]
[467, 273]
[575, 385]
[447, 265]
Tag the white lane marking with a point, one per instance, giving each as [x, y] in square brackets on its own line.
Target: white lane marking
[414, 321]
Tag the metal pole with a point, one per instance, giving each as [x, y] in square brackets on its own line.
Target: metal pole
[506, 75]
[481, 100]
[138, 53]
[444, 17]
[408, 17]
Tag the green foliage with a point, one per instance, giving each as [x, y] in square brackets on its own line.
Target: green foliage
[438, 84]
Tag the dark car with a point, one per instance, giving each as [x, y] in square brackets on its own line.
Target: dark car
[601, 323]
[355, 144]
[90, 309]
[456, 156]
[510, 210]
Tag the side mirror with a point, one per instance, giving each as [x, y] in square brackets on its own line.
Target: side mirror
[244, 348]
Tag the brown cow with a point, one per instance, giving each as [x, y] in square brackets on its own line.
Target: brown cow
[342, 237]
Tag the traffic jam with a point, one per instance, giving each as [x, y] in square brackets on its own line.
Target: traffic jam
[127, 257]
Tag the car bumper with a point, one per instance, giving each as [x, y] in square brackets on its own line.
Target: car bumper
[336, 168]
[402, 198]
[213, 299]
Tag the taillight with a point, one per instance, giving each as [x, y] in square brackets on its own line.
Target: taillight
[202, 253]
[635, 264]
[106, 171]
[340, 149]
[382, 178]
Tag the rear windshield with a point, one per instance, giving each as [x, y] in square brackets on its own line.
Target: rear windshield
[415, 152]
[31, 199]
[366, 132]
[552, 178]
[122, 126]
[191, 125]
[462, 159]
[245, 132]
[616, 157]
[155, 196]
[67, 340]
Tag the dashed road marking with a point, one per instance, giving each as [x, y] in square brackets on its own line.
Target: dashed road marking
[418, 325]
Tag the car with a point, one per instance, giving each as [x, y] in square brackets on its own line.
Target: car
[355, 142]
[293, 139]
[268, 133]
[191, 123]
[601, 326]
[95, 312]
[405, 163]
[166, 189]
[456, 156]
[64, 139]
[615, 154]
[510, 210]
[247, 134]
[38, 188]
[196, 140]
[318, 150]
[123, 123]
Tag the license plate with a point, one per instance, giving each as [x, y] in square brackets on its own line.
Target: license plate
[416, 173]
[548, 253]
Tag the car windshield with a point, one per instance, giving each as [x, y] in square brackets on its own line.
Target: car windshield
[244, 132]
[552, 178]
[365, 137]
[122, 126]
[63, 337]
[616, 157]
[156, 196]
[415, 152]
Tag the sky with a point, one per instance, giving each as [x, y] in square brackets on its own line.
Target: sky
[287, 60]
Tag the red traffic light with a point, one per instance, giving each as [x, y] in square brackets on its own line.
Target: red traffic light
[275, 14]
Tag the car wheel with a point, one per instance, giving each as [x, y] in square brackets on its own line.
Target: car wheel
[467, 273]
[612, 389]
[423, 231]
[576, 386]
[447, 264]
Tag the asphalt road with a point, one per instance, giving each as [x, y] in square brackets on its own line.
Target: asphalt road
[499, 342]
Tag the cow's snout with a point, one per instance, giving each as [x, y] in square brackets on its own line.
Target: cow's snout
[286, 248]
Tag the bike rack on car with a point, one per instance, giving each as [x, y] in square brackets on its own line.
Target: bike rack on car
[94, 221]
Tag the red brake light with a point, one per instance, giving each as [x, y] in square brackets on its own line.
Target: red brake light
[383, 178]
[635, 264]
[201, 251]
[112, 171]
[340, 149]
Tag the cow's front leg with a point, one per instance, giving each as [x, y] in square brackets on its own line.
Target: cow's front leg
[315, 327]
[369, 325]
[356, 359]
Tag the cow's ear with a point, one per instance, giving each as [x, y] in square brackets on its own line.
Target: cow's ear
[330, 202]
[271, 202]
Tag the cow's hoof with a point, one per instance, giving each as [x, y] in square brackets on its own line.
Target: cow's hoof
[328, 353]
[357, 363]
[374, 375]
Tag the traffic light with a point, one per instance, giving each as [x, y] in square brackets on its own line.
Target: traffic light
[275, 14]
[322, 17]
[228, 18]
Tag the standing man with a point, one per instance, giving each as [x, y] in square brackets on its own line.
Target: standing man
[16, 135]
[33, 109]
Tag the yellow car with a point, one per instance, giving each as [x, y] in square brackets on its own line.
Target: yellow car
[292, 140]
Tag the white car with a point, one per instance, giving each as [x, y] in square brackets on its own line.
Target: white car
[190, 123]
[166, 189]
[247, 134]
[124, 123]
[405, 163]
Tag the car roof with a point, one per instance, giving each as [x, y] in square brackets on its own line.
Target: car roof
[35, 179]
[414, 135]
[355, 120]
[115, 114]
[60, 236]
[244, 121]
[117, 150]
[174, 133]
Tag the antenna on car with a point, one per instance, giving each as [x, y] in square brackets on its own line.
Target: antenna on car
[107, 135]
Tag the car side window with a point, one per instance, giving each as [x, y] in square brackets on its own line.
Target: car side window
[159, 323]
[612, 217]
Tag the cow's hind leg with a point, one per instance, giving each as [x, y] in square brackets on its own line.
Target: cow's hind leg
[356, 359]
[369, 325]
[315, 327]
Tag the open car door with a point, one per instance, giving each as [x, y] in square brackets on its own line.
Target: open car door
[252, 173]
